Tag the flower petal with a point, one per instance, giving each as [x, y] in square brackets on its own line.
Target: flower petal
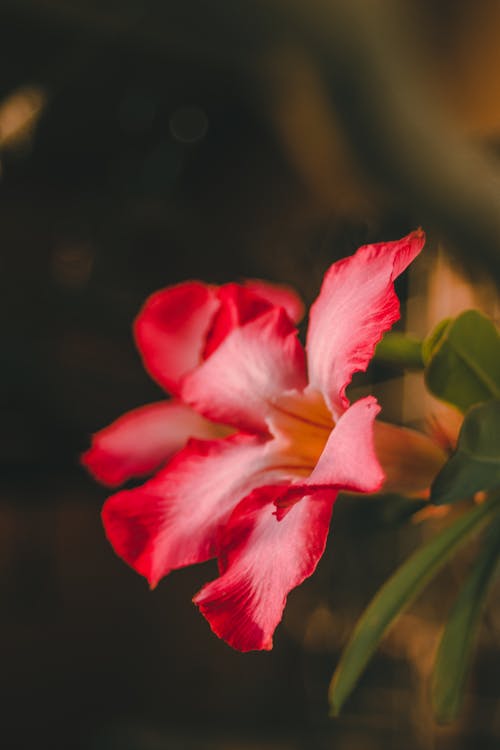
[262, 559]
[349, 460]
[410, 459]
[279, 295]
[143, 439]
[356, 306]
[238, 306]
[253, 366]
[171, 329]
[174, 518]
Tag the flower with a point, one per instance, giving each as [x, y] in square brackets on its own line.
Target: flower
[176, 330]
[259, 494]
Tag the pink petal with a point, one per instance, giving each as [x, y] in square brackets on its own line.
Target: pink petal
[279, 295]
[171, 329]
[173, 520]
[252, 367]
[238, 306]
[143, 439]
[262, 559]
[356, 306]
[348, 461]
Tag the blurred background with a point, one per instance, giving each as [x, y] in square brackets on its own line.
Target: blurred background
[144, 143]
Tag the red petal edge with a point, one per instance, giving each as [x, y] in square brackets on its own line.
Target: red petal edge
[174, 519]
[261, 560]
[171, 330]
[279, 295]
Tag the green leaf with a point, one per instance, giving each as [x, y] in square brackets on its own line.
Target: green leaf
[396, 595]
[475, 465]
[400, 350]
[456, 646]
[431, 343]
[463, 360]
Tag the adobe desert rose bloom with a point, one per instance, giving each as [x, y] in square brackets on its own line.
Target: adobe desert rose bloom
[259, 495]
[177, 329]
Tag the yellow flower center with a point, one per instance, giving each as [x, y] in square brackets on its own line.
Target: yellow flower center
[301, 424]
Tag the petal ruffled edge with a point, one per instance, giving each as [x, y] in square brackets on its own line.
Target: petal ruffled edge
[261, 561]
[357, 304]
[174, 519]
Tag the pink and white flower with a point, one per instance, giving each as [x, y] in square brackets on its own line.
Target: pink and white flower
[273, 437]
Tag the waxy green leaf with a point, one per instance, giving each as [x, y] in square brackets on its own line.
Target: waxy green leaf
[475, 465]
[457, 642]
[463, 360]
[396, 595]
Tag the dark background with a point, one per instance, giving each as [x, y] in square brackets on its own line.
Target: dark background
[197, 140]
